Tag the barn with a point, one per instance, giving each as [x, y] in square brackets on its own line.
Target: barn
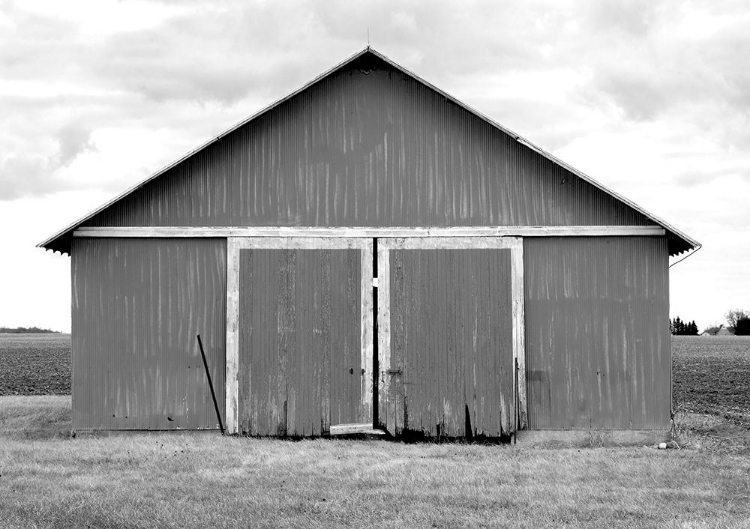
[371, 253]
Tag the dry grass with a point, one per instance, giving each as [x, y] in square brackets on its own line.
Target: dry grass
[205, 480]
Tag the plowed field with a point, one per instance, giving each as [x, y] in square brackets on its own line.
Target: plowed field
[711, 375]
[34, 364]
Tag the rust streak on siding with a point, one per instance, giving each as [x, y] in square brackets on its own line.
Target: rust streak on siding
[138, 305]
[597, 333]
[300, 340]
[451, 342]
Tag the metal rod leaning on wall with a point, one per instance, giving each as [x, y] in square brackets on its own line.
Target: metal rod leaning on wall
[210, 385]
[517, 418]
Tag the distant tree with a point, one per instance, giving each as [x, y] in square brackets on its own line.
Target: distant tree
[742, 327]
[733, 315]
[24, 330]
[683, 328]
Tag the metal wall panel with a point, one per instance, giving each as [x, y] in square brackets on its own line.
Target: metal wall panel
[451, 342]
[300, 363]
[368, 146]
[136, 309]
[597, 333]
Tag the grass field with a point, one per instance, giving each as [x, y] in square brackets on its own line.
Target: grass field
[48, 479]
[204, 480]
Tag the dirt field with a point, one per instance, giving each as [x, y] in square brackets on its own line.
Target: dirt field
[711, 375]
[34, 364]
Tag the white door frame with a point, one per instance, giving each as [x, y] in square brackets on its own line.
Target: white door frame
[385, 244]
[234, 245]
[515, 245]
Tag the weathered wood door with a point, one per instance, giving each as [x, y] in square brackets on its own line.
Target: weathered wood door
[304, 334]
[449, 330]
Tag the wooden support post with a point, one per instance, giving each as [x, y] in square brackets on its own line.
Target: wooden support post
[367, 330]
[519, 327]
[233, 341]
[386, 406]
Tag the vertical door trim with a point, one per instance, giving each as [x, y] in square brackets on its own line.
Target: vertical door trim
[367, 329]
[384, 336]
[234, 245]
[519, 327]
[233, 335]
[515, 245]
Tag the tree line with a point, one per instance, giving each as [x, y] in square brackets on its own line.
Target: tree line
[683, 328]
[24, 330]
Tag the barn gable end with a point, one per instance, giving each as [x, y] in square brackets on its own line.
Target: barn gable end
[369, 145]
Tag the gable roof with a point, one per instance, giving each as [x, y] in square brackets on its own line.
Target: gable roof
[679, 241]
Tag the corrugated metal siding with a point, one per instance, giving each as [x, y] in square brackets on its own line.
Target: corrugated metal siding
[137, 307]
[597, 333]
[300, 344]
[368, 146]
[451, 336]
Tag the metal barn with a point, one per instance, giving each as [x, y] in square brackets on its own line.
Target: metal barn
[369, 252]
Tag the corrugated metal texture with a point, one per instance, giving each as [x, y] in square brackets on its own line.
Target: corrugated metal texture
[597, 333]
[137, 307]
[300, 343]
[451, 337]
[368, 146]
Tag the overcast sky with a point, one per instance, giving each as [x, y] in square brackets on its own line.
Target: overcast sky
[650, 98]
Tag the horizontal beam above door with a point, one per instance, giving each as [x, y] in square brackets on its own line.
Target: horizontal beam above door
[478, 231]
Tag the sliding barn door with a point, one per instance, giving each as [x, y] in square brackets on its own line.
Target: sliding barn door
[303, 335]
[448, 336]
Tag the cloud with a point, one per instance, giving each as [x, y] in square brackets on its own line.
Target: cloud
[678, 65]
[74, 140]
[637, 94]
[37, 46]
[715, 176]
[219, 55]
[634, 17]
[24, 176]
[37, 174]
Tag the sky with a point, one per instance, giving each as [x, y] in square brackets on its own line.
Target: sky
[650, 98]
